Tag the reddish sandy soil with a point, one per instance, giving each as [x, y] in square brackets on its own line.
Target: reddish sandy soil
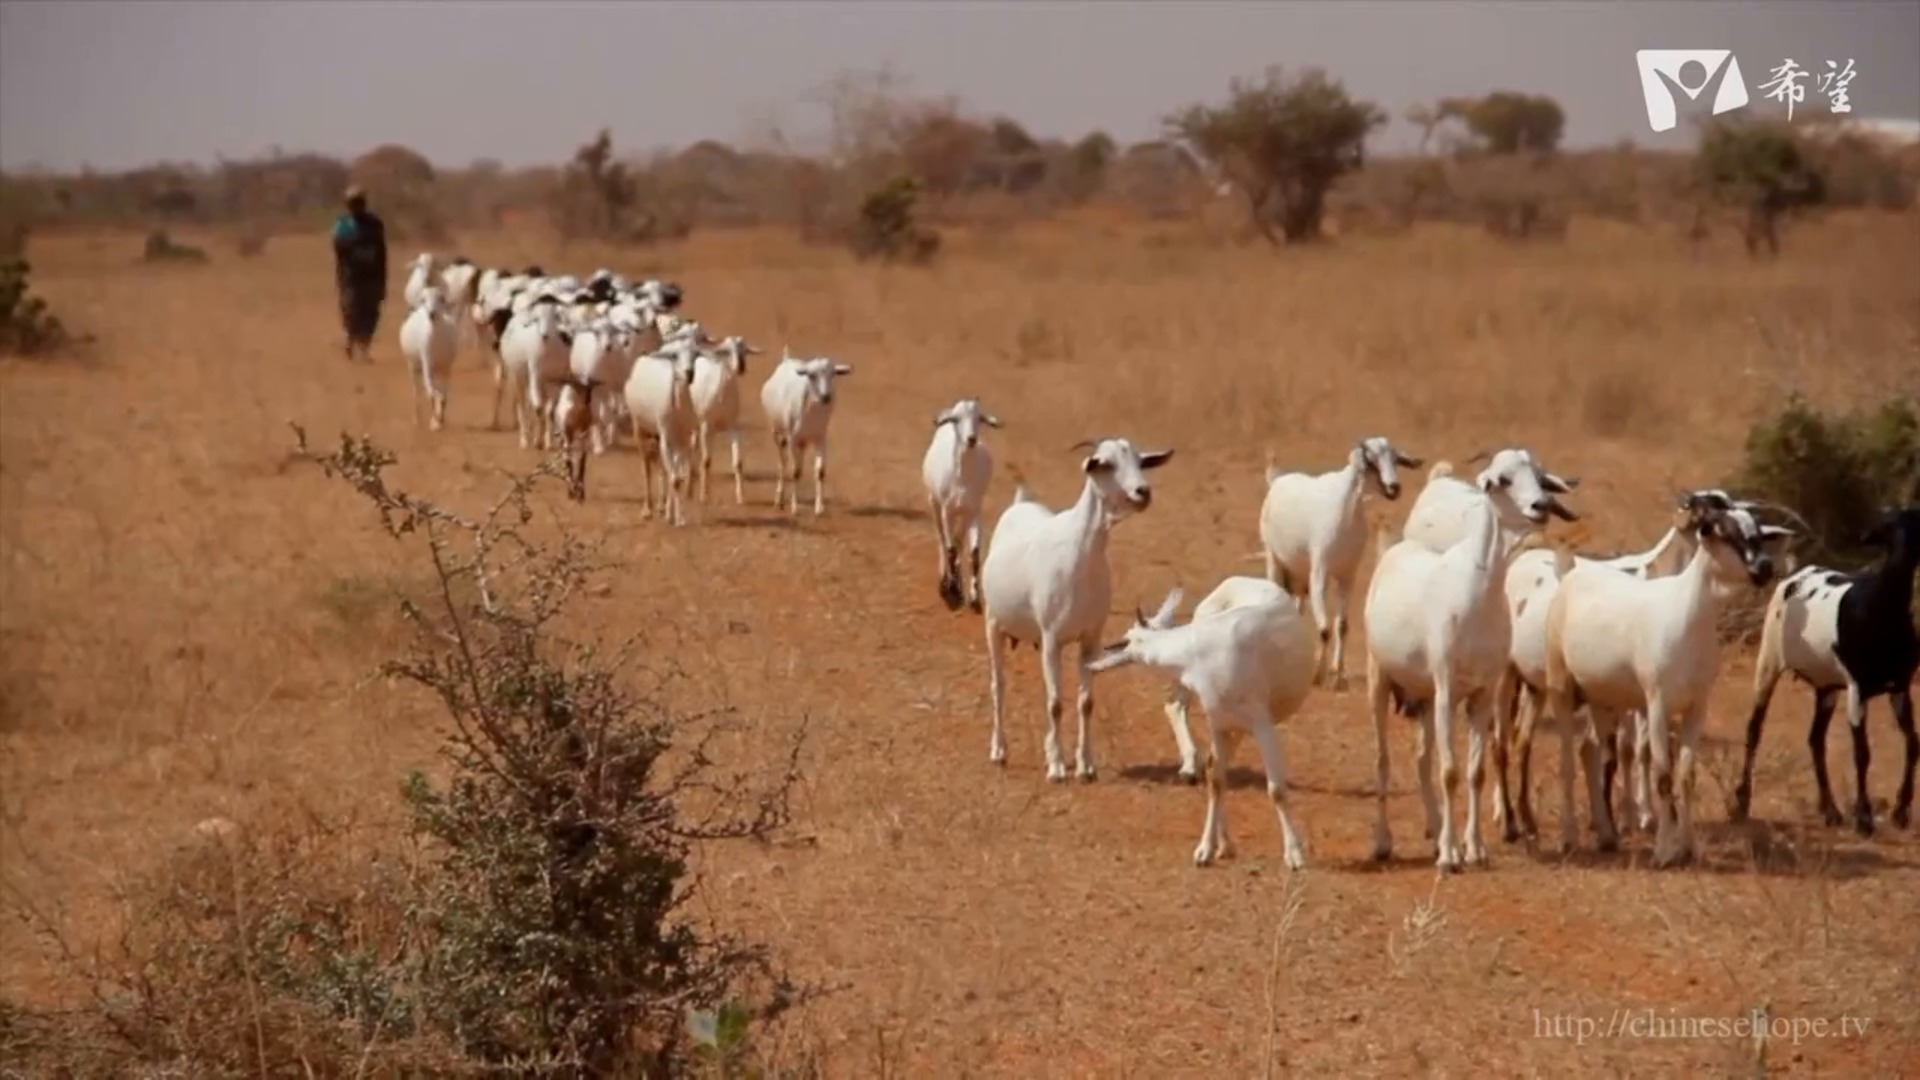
[185, 637]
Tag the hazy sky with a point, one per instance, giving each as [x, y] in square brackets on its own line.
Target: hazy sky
[116, 84]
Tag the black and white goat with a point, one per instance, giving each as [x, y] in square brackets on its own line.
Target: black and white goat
[1846, 634]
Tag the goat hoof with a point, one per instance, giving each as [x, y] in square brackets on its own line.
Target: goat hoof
[975, 605]
[1057, 773]
[1203, 856]
[1902, 817]
[1510, 834]
[950, 593]
[1089, 774]
[1382, 852]
[1608, 844]
[1831, 815]
[1190, 776]
[1863, 824]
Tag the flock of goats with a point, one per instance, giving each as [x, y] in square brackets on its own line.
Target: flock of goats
[1471, 612]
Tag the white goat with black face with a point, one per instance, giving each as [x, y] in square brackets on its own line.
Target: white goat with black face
[1046, 582]
[1532, 581]
[1617, 643]
[798, 400]
[1314, 536]
[956, 470]
[1247, 655]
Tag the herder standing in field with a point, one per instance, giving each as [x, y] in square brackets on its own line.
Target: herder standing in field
[360, 271]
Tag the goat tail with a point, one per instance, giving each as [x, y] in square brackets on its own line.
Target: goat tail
[1273, 467]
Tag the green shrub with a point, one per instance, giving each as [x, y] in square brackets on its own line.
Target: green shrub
[161, 247]
[539, 923]
[886, 228]
[1836, 470]
[27, 328]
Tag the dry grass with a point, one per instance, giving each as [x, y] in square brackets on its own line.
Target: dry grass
[188, 626]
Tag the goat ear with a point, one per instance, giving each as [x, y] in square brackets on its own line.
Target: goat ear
[1559, 485]
[990, 420]
[1777, 532]
[1168, 606]
[945, 417]
[1093, 465]
[1406, 462]
[843, 369]
[1139, 617]
[1153, 459]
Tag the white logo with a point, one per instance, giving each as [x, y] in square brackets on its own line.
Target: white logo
[1660, 77]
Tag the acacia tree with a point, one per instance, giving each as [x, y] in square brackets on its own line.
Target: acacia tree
[1507, 121]
[1283, 142]
[1762, 169]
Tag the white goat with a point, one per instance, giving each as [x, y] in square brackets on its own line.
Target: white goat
[1046, 581]
[418, 279]
[428, 341]
[573, 413]
[956, 471]
[1448, 506]
[798, 400]
[1232, 593]
[534, 353]
[1617, 642]
[1247, 655]
[1314, 534]
[1532, 580]
[716, 404]
[660, 407]
[603, 353]
[1438, 636]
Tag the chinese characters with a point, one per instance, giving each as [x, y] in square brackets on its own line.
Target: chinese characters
[1785, 85]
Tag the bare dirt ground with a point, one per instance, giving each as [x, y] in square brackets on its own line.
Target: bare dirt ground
[189, 623]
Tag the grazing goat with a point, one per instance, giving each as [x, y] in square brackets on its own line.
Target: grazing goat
[1532, 580]
[956, 470]
[1045, 581]
[1247, 655]
[1314, 534]
[716, 405]
[1438, 636]
[1851, 634]
[428, 339]
[798, 400]
[660, 407]
[535, 351]
[1617, 643]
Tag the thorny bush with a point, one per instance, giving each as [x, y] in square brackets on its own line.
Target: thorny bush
[537, 921]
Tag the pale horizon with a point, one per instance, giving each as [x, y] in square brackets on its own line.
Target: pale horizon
[113, 86]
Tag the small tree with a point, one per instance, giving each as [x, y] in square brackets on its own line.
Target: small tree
[1507, 121]
[1283, 143]
[886, 228]
[1762, 169]
[27, 328]
[551, 937]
